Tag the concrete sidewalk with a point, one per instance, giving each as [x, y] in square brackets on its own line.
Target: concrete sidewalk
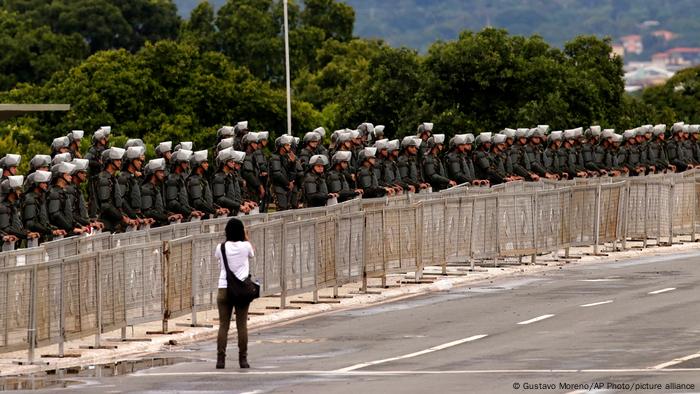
[263, 317]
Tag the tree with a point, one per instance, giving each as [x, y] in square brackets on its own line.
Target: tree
[167, 90]
[33, 54]
[104, 24]
[335, 19]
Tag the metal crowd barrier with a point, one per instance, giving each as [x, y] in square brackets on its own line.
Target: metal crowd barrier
[89, 285]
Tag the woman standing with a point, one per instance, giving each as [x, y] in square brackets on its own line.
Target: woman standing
[237, 252]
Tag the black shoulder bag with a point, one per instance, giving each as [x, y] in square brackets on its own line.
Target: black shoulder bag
[240, 292]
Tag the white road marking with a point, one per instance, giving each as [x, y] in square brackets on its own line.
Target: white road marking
[662, 290]
[596, 303]
[676, 361]
[419, 372]
[599, 280]
[410, 355]
[538, 318]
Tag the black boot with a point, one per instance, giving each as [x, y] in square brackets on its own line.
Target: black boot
[221, 361]
[243, 361]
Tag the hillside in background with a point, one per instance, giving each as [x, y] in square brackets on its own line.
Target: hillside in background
[418, 23]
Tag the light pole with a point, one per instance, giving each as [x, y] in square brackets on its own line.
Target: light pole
[286, 64]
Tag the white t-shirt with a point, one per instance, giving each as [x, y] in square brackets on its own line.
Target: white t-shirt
[237, 254]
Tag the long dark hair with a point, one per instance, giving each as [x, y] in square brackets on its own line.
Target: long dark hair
[235, 231]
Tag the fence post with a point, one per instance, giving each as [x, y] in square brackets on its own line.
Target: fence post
[61, 315]
[418, 219]
[596, 228]
[32, 316]
[283, 269]
[534, 227]
[671, 205]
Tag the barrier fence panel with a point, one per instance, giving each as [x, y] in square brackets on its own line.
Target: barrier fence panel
[515, 224]
[143, 291]
[177, 272]
[683, 206]
[111, 276]
[80, 295]
[349, 260]
[637, 210]
[657, 210]
[484, 242]
[206, 270]
[61, 248]
[268, 262]
[582, 215]
[95, 242]
[610, 212]
[300, 256]
[15, 302]
[48, 303]
[325, 252]
[432, 232]
[21, 257]
[374, 246]
[458, 229]
[548, 220]
[400, 239]
[130, 238]
[164, 233]
[372, 204]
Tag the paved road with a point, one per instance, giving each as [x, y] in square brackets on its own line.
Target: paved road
[613, 323]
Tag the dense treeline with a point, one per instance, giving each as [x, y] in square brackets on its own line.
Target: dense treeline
[135, 65]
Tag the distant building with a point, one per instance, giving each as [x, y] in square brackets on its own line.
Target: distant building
[632, 44]
[618, 49]
[684, 57]
[644, 76]
[666, 35]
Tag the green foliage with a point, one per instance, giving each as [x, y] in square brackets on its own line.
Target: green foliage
[678, 99]
[167, 90]
[103, 24]
[489, 80]
[33, 54]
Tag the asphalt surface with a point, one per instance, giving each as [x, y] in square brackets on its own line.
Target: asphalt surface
[601, 327]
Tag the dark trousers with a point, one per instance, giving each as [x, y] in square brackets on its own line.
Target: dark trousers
[225, 309]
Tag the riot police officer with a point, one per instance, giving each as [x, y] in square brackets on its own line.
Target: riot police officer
[407, 163]
[130, 180]
[199, 191]
[225, 186]
[109, 195]
[176, 198]
[78, 203]
[315, 189]
[8, 165]
[152, 201]
[250, 171]
[60, 145]
[433, 168]
[311, 141]
[59, 201]
[239, 130]
[100, 143]
[460, 167]
[283, 172]
[11, 227]
[367, 178]
[74, 137]
[34, 214]
[335, 179]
